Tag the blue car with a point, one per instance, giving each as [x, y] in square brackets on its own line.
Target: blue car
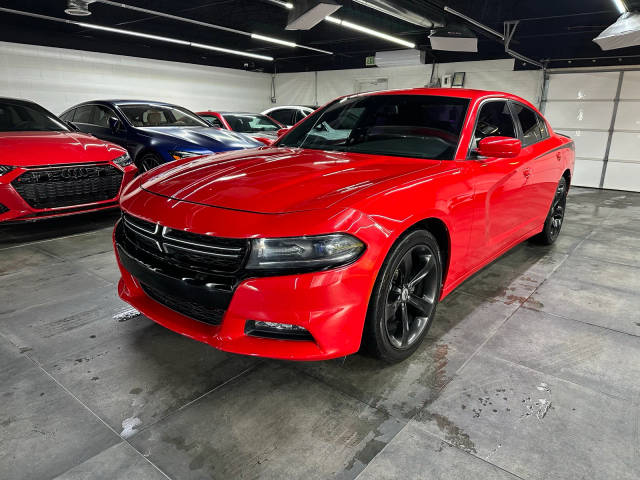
[152, 132]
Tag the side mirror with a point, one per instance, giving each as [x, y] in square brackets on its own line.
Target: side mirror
[114, 124]
[501, 147]
[283, 131]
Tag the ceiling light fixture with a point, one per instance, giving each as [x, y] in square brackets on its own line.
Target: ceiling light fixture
[132, 33]
[264, 38]
[287, 5]
[369, 31]
[622, 8]
[174, 40]
[213, 25]
[306, 14]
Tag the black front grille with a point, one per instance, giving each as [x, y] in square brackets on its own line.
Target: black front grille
[190, 251]
[3, 209]
[54, 187]
[192, 309]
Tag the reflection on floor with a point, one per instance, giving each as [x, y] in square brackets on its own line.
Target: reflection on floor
[531, 371]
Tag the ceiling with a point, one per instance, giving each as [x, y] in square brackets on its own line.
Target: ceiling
[560, 31]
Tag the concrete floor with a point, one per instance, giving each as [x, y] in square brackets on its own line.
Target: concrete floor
[532, 370]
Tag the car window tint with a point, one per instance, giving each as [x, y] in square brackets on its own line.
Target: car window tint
[529, 124]
[83, 114]
[67, 116]
[417, 126]
[542, 126]
[26, 117]
[283, 115]
[494, 120]
[102, 116]
[300, 114]
[213, 120]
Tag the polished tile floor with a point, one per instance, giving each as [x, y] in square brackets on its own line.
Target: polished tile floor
[532, 371]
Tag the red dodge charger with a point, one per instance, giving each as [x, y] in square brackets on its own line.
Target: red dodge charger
[347, 231]
[49, 170]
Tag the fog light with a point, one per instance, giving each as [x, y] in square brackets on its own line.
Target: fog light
[283, 331]
[279, 326]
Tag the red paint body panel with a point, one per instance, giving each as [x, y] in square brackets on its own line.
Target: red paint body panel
[488, 205]
[41, 149]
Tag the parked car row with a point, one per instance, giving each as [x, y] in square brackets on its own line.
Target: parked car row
[79, 162]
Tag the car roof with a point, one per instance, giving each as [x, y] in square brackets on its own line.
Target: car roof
[469, 93]
[126, 102]
[16, 100]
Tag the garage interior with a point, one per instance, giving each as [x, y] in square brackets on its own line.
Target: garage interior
[532, 367]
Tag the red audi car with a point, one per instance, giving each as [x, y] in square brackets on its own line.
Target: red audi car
[49, 170]
[347, 231]
[257, 126]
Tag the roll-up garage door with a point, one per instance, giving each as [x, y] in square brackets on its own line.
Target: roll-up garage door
[601, 112]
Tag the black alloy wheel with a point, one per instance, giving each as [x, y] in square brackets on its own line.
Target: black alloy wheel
[148, 161]
[407, 291]
[555, 217]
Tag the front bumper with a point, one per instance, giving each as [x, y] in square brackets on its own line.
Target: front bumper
[330, 305]
[15, 208]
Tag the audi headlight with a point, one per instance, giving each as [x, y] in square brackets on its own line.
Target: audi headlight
[304, 253]
[123, 160]
[180, 154]
[5, 169]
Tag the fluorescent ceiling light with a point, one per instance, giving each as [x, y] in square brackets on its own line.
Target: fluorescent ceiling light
[370, 31]
[264, 38]
[174, 40]
[287, 5]
[257, 36]
[132, 33]
[232, 52]
[620, 6]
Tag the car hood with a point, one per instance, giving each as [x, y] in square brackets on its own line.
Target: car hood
[46, 148]
[278, 180]
[210, 138]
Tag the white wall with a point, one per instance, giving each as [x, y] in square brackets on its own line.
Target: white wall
[58, 78]
[298, 88]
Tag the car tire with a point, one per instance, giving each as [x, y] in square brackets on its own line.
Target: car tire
[147, 161]
[555, 217]
[404, 299]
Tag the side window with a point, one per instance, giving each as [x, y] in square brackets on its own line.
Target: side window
[529, 123]
[300, 114]
[494, 120]
[102, 116]
[68, 116]
[83, 114]
[284, 116]
[213, 121]
[542, 126]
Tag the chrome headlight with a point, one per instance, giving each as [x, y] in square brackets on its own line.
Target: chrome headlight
[304, 253]
[123, 160]
[5, 169]
[180, 154]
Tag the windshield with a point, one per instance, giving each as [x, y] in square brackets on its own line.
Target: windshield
[248, 123]
[420, 126]
[28, 117]
[141, 115]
